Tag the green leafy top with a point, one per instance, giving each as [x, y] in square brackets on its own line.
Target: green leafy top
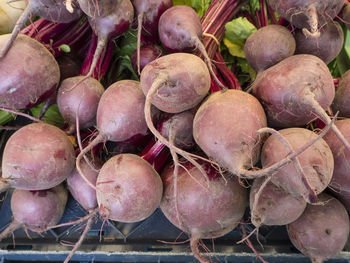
[201, 6]
[237, 31]
[252, 6]
[52, 115]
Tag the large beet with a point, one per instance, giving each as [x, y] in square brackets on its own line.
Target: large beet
[225, 127]
[208, 207]
[28, 73]
[36, 157]
[283, 90]
[322, 230]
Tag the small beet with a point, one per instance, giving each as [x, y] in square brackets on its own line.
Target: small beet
[180, 30]
[109, 27]
[277, 42]
[148, 14]
[341, 101]
[147, 54]
[83, 100]
[130, 189]
[322, 230]
[80, 190]
[271, 205]
[36, 210]
[341, 176]
[179, 129]
[326, 47]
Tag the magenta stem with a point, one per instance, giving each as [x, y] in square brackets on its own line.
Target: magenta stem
[264, 18]
[89, 56]
[151, 154]
[34, 27]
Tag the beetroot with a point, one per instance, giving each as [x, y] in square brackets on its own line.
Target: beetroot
[52, 10]
[86, 197]
[147, 54]
[341, 177]
[80, 190]
[110, 26]
[277, 42]
[271, 205]
[317, 163]
[36, 210]
[341, 101]
[296, 91]
[309, 15]
[120, 116]
[231, 139]
[180, 30]
[174, 83]
[179, 130]
[322, 230]
[29, 73]
[98, 8]
[129, 189]
[208, 207]
[36, 157]
[69, 65]
[327, 47]
[82, 100]
[148, 14]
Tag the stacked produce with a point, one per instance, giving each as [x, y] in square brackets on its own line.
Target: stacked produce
[215, 109]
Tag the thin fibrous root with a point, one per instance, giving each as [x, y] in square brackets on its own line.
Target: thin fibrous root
[268, 171]
[194, 242]
[203, 51]
[77, 128]
[148, 116]
[100, 138]
[80, 220]
[81, 239]
[175, 176]
[139, 29]
[313, 23]
[21, 114]
[9, 230]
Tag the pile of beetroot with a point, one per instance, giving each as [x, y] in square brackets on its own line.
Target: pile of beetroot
[185, 135]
